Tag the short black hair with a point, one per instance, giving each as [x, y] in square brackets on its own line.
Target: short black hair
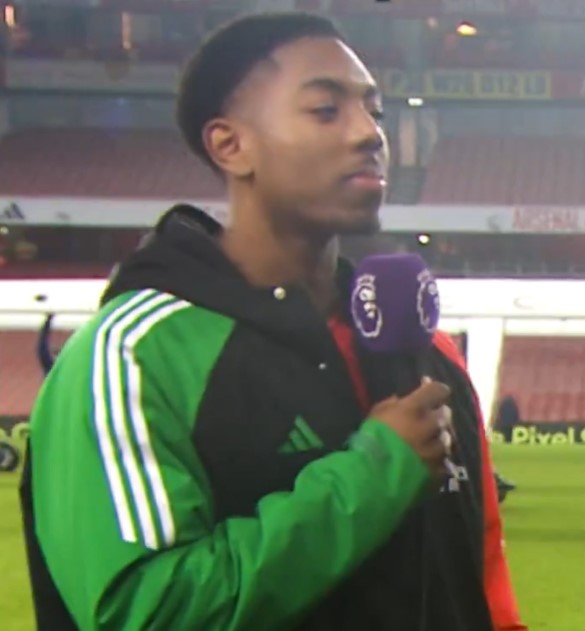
[227, 56]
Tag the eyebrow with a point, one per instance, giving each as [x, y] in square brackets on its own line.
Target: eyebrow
[336, 86]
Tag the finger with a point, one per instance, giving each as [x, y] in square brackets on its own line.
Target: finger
[436, 459]
[447, 422]
[445, 417]
[441, 418]
[438, 433]
[447, 439]
[429, 396]
[442, 471]
[383, 405]
[435, 447]
[451, 468]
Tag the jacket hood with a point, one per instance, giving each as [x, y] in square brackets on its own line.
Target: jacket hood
[181, 257]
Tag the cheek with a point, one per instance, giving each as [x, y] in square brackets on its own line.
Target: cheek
[297, 161]
[295, 167]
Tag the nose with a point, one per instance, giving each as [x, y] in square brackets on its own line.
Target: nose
[365, 133]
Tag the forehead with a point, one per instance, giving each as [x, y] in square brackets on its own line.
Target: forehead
[295, 66]
[313, 58]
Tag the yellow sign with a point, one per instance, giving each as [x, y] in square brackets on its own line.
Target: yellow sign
[556, 434]
[495, 85]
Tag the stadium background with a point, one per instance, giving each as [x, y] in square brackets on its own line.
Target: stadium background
[486, 115]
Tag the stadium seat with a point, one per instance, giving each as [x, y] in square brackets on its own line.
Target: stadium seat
[20, 373]
[103, 163]
[506, 171]
[36, 270]
[546, 376]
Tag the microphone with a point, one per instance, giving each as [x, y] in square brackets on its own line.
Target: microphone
[395, 308]
[395, 311]
[395, 304]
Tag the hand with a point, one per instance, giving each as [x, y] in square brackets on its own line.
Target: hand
[422, 419]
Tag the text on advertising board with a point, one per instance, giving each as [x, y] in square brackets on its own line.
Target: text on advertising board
[465, 84]
[543, 434]
[547, 219]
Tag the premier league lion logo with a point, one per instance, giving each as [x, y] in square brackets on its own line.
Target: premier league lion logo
[427, 301]
[364, 308]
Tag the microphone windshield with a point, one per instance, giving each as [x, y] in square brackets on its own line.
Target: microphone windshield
[395, 303]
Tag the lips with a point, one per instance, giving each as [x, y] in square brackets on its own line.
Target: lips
[372, 172]
[370, 179]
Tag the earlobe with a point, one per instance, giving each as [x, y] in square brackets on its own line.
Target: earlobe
[224, 145]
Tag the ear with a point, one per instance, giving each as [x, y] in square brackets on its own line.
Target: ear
[225, 143]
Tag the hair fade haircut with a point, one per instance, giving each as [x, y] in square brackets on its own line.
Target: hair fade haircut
[226, 58]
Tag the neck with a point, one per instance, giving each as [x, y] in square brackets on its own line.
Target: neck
[268, 257]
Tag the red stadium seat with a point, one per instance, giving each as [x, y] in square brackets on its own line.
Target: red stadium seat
[506, 171]
[546, 376]
[103, 163]
[20, 374]
[35, 270]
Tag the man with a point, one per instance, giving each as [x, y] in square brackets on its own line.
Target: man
[508, 416]
[199, 458]
[44, 353]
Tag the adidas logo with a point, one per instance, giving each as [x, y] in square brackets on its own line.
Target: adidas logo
[12, 212]
[302, 438]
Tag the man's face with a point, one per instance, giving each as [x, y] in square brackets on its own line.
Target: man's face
[318, 153]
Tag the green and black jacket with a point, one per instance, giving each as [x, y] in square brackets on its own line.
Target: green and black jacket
[199, 462]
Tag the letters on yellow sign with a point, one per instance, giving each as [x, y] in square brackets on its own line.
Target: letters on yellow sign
[465, 84]
[531, 436]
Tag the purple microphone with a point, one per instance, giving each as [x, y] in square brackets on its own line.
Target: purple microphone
[395, 304]
[395, 310]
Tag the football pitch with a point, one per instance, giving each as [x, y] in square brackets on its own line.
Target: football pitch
[544, 520]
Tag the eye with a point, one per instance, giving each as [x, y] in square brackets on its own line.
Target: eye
[326, 113]
[377, 115]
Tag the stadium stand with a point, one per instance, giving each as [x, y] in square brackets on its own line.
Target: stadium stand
[20, 373]
[27, 270]
[102, 163]
[546, 376]
[506, 171]
[466, 166]
[155, 164]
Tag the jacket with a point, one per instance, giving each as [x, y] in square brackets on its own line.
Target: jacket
[199, 461]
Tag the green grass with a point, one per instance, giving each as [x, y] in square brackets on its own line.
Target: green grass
[545, 528]
[15, 604]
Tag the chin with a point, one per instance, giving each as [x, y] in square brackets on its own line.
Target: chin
[344, 217]
[360, 221]
[361, 213]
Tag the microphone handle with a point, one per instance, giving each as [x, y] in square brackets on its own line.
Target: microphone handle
[391, 374]
[424, 371]
[399, 374]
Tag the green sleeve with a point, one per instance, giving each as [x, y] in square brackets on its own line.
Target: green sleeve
[123, 508]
